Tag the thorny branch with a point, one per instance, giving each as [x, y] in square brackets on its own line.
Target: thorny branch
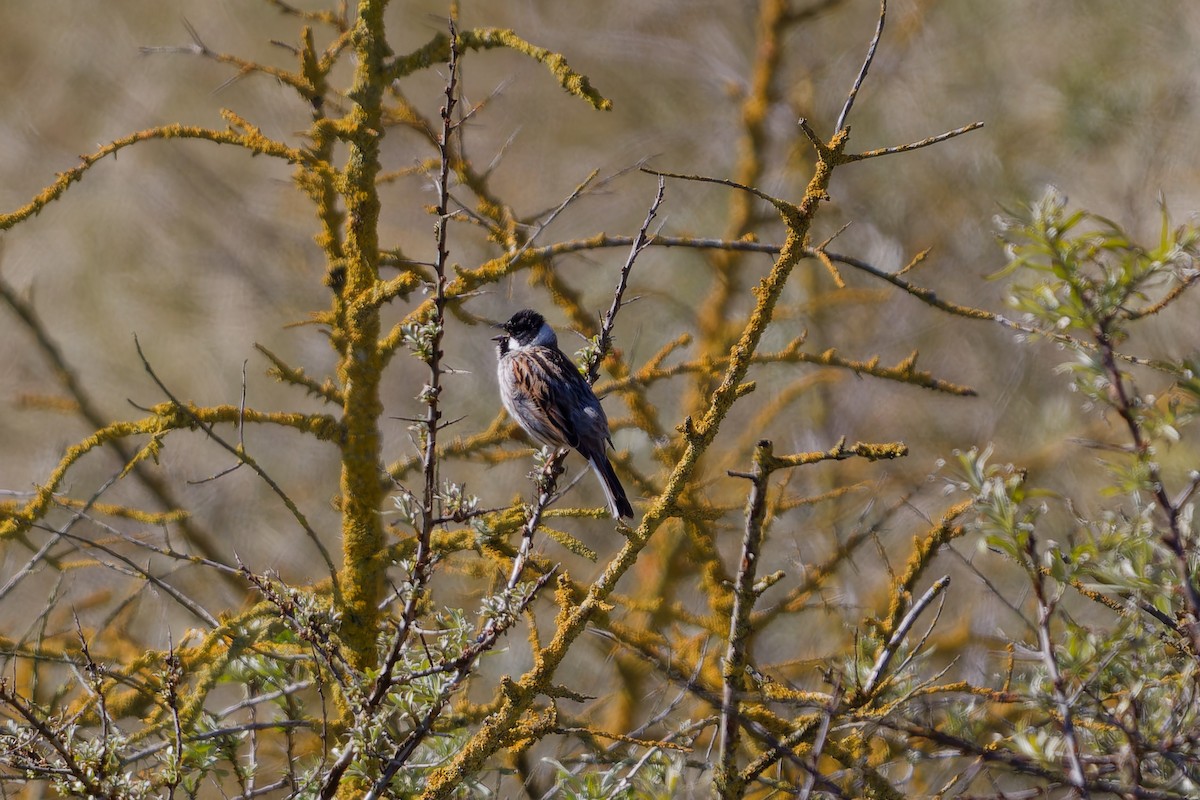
[640, 243]
[1066, 720]
[728, 780]
[421, 572]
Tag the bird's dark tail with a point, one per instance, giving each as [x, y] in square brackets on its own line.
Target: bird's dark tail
[618, 503]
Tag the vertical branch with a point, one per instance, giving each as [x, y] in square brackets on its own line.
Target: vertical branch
[320, 184]
[728, 779]
[547, 481]
[172, 675]
[356, 337]
[640, 243]
[431, 393]
[862, 73]
[773, 22]
[1046, 649]
[1174, 538]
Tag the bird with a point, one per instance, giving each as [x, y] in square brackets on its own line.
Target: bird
[548, 397]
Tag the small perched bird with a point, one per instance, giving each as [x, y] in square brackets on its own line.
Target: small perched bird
[544, 392]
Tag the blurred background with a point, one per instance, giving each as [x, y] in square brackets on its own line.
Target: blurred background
[201, 252]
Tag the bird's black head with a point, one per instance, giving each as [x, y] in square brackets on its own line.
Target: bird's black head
[524, 326]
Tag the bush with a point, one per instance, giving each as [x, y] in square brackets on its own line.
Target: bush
[748, 633]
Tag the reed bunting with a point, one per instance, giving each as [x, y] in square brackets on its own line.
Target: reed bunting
[545, 393]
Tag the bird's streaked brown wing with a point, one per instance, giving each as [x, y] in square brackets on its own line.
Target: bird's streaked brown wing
[538, 375]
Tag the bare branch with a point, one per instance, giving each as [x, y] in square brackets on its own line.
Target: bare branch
[719, 181]
[893, 644]
[547, 483]
[243, 456]
[862, 73]
[640, 243]
[728, 779]
[240, 133]
[904, 148]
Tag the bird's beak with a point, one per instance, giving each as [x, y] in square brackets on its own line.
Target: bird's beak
[500, 338]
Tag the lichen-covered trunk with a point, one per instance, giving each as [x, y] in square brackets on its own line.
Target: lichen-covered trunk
[358, 344]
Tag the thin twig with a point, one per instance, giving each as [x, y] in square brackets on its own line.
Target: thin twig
[27, 570]
[550, 217]
[244, 66]
[930, 298]
[337, 20]
[1066, 721]
[164, 550]
[462, 668]
[904, 148]
[242, 455]
[132, 567]
[811, 135]
[241, 428]
[719, 181]
[728, 780]
[818, 745]
[640, 243]
[893, 644]
[862, 73]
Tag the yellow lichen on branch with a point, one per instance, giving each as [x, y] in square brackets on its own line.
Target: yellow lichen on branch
[167, 417]
[437, 50]
[249, 138]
